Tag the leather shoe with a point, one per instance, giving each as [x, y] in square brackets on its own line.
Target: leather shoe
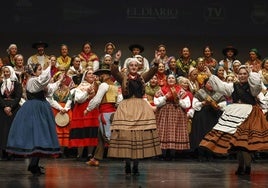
[93, 162]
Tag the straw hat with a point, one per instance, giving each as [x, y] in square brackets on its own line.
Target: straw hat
[62, 119]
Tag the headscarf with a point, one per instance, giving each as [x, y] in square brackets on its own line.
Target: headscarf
[169, 59]
[243, 67]
[132, 59]
[11, 46]
[7, 82]
[237, 61]
[256, 51]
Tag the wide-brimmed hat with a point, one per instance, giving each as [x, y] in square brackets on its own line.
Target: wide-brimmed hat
[102, 71]
[132, 46]
[62, 119]
[39, 43]
[224, 51]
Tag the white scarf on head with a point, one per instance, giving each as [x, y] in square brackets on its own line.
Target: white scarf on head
[7, 82]
[7, 85]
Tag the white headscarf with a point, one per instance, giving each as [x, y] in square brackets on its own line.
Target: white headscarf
[11, 46]
[7, 82]
[132, 59]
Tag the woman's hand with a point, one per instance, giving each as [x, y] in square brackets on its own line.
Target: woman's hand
[7, 110]
[118, 55]
[156, 60]
[62, 111]
[182, 94]
[90, 90]
[85, 112]
[168, 95]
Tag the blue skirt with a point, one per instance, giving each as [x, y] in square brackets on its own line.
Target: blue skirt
[33, 130]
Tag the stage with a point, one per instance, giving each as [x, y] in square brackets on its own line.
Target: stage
[65, 173]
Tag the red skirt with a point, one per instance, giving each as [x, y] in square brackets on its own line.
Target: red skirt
[84, 129]
[63, 132]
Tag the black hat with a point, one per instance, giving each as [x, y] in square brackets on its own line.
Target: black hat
[102, 71]
[224, 51]
[39, 43]
[136, 46]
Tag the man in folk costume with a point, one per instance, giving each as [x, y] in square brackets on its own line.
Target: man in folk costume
[230, 54]
[106, 99]
[40, 56]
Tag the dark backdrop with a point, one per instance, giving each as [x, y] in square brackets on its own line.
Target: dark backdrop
[217, 23]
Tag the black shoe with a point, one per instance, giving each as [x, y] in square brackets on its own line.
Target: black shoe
[247, 170]
[135, 172]
[36, 170]
[202, 159]
[10, 157]
[128, 169]
[240, 171]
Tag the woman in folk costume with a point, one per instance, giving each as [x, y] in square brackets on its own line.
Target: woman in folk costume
[76, 71]
[133, 131]
[242, 127]
[84, 129]
[150, 90]
[171, 117]
[193, 82]
[9, 59]
[208, 105]
[60, 101]
[88, 58]
[64, 60]
[33, 132]
[201, 74]
[184, 84]
[161, 75]
[11, 93]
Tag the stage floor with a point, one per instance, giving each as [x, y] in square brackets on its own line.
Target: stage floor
[65, 173]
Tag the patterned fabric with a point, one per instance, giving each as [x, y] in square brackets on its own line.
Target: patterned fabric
[134, 144]
[232, 117]
[251, 135]
[134, 133]
[172, 127]
[184, 67]
[64, 62]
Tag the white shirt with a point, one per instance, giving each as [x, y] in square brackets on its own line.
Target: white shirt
[96, 100]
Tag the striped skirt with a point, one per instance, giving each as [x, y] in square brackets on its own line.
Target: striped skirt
[133, 131]
[250, 135]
